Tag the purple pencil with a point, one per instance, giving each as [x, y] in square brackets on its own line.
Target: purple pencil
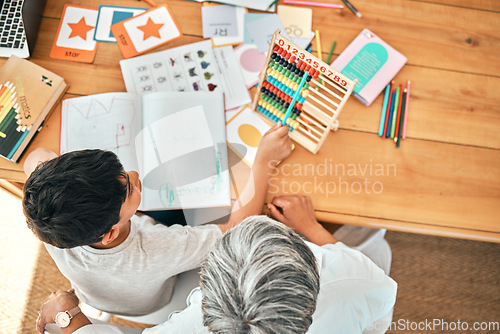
[406, 108]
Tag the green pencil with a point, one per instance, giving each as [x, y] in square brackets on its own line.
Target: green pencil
[398, 138]
[331, 52]
[393, 126]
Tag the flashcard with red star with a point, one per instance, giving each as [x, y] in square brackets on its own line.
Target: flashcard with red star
[146, 31]
[75, 35]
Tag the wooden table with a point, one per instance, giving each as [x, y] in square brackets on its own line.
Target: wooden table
[445, 177]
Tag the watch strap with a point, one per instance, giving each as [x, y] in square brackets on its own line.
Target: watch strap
[74, 311]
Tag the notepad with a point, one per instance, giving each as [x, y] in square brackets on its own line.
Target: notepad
[176, 141]
[371, 61]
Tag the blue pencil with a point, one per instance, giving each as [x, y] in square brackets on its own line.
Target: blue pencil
[388, 132]
[384, 109]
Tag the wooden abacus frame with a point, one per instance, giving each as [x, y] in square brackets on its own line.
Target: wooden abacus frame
[326, 97]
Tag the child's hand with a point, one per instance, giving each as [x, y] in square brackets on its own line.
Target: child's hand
[296, 212]
[274, 146]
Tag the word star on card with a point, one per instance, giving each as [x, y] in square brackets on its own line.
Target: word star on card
[146, 31]
[75, 35]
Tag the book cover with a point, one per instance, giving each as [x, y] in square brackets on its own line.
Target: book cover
[176, 141]
[28, 93]
[372, 61]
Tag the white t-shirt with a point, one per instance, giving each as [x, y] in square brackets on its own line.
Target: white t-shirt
[355, 297]
[136, 277]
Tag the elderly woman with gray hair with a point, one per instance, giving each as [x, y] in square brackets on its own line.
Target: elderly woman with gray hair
[263, 278]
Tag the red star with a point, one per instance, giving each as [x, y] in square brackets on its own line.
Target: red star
[151, 29]
[80, 29]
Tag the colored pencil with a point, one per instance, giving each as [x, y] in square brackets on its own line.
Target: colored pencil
[271, 4]
[6, 108]
[295, 96]
[318, 46]
[391, 110]
[406, 108]
[314, 4]
[388, 109]
[151, 3]
[398, 137]
[16, 146]
[331, 52]
[384, 109]
[5, 92]
[318, 43]
[351, 7]
[400, 107]
[7, 121]
[395, 113]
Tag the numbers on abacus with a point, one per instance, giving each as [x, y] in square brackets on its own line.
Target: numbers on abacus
[314, 63]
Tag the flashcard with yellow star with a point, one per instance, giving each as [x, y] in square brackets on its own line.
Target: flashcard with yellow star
[75, 35]
[146, 31]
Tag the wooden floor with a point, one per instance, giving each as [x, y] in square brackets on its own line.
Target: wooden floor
[445, 177]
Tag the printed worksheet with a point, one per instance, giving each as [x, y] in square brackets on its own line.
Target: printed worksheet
[189, 68]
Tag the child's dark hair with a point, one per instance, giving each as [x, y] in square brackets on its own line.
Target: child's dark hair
[74, 199]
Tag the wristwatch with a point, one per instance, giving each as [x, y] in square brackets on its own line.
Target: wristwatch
[64, 318]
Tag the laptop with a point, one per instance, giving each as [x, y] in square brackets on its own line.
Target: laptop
[19, 23]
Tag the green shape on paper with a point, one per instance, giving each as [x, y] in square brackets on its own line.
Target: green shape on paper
[366, 64]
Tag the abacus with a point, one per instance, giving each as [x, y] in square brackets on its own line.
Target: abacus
[291, 91]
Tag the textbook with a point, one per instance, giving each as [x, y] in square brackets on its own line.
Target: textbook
[28, 94]
[176, 141]
[372, 61]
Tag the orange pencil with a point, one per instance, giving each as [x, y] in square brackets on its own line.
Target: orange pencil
[151, 3]
[399, 110]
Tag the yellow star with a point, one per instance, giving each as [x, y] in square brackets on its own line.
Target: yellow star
[151, 29]
[80, 29]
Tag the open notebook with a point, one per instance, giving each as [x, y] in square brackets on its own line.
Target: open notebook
[176, 141]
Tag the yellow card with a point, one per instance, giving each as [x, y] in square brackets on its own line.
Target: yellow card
[296, 20]
[75, 35]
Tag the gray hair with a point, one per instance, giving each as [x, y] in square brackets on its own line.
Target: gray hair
[260, 278]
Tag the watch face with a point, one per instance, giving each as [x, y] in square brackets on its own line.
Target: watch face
[62, 319]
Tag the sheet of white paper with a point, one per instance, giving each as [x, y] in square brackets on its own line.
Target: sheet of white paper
[219, 21]
[240, 22]
[107, 121]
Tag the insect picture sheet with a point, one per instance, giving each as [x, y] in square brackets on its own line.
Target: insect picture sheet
[75, 35]
[146, 31]
[193, 67]
[109, 15]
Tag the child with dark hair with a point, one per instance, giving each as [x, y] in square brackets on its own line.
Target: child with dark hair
[83, 205]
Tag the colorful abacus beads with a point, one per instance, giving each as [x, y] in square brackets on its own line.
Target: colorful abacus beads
[280, 87]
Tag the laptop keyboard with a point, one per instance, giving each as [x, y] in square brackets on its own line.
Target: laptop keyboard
[11, 25]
